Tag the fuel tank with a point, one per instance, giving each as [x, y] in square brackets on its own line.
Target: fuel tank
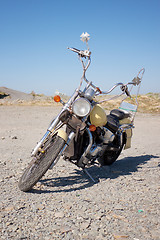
[98, 116]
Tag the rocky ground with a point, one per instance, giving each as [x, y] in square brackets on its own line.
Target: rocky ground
[65, 204]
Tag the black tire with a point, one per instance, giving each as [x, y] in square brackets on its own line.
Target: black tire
[39, 166]
[110, 156]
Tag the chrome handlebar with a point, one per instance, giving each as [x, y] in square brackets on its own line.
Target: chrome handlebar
[124, 87]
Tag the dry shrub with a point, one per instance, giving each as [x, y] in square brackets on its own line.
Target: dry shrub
[149, 103]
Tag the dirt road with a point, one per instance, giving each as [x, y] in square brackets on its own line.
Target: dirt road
[124, 204]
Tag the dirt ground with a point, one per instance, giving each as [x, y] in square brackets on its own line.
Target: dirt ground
[122, 204]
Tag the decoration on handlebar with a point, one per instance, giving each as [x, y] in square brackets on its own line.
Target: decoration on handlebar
[86, 53]
[85, 37]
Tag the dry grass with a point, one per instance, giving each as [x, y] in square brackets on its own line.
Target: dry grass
[35, 102]
[148, 103]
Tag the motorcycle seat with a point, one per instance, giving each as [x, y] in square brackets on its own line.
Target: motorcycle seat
[119, 114]
[113, 119]
[112, 123]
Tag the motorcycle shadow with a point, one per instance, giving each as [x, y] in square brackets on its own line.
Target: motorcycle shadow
[79, 180]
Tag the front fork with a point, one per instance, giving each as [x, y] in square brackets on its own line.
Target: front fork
[70, 138]
[54, 123]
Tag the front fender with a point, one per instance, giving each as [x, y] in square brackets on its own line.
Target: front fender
[61, 133]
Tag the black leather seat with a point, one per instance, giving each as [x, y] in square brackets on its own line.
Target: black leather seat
[120, 114]
[113, 119]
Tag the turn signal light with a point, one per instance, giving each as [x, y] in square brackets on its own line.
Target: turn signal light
[57, 98]
[92, 128]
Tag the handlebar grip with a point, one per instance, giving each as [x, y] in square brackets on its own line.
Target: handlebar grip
[74, 50]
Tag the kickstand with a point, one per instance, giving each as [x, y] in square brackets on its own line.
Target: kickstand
[89, 175]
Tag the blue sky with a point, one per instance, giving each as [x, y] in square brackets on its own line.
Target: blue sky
[35, 34]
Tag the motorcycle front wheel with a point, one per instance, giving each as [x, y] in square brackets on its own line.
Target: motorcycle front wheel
[39, 165]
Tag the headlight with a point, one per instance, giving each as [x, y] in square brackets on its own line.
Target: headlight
[81, 107]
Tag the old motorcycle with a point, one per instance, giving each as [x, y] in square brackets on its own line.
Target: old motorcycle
[82, 132]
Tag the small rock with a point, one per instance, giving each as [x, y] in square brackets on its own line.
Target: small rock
[59, 214]
[118, 207]
[14, 137]
[40, 207]
[138, 178]
[67, 207]
[65, 229]
[79, 217]
[85, 225]
[120, 237]
[14, 228]
[8, 223]
[120, 217]
[8, 209]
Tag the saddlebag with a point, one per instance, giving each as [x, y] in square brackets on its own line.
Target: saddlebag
[127, 131]
[116, 119]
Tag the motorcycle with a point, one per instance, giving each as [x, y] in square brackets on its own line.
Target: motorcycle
[82, 133]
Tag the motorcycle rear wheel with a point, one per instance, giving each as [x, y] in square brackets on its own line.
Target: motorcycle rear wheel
[39, 166]
[110, 156]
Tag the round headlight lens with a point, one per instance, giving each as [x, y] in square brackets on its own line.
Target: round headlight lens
[81, 107]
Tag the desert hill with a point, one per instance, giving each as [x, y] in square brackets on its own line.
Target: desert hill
[10, 94]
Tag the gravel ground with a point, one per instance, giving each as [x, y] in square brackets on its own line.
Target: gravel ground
[65, 204]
